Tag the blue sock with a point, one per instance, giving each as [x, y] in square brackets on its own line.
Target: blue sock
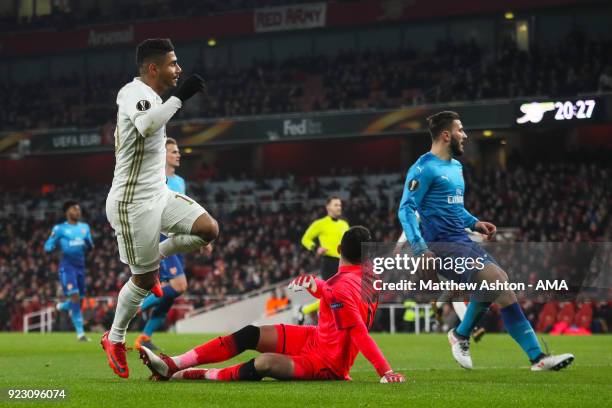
[77, 318]
[158, 317]
[153, 300]
[170, 292]
[521, 331]
[474, 312]
[150, 301]
[64, 305]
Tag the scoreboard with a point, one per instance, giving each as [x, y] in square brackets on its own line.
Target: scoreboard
[561, 111]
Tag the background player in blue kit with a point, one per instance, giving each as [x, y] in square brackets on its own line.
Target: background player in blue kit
[435, 188]
[74, 240]
[171, 272]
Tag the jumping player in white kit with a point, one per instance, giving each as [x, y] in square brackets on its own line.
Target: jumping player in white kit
[139, 205]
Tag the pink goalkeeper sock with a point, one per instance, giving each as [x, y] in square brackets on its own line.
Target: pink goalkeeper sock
[186, 360]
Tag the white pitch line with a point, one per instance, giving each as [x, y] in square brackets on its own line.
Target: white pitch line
[476, 369]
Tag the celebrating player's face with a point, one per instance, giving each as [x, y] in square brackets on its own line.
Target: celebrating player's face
[169, 71]
[458, 137]
[173, 155]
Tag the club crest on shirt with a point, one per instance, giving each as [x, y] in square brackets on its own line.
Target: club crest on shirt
[143, 105]
[413, 184]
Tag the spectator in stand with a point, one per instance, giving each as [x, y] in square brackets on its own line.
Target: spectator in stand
[453, 71]
[260, 243]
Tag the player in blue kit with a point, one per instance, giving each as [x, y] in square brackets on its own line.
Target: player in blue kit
[74, 240]
[435, 188]
[171, 272]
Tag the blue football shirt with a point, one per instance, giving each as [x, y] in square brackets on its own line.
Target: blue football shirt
[435, 188]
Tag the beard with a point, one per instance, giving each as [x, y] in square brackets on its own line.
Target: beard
[455, 146]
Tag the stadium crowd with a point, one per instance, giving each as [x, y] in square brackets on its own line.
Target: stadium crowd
[262, 221]
[67, 15]
[349, 80]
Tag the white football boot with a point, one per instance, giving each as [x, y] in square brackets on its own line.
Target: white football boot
[460, 348]
[555, 363]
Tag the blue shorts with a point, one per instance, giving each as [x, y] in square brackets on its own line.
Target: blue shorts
[171, 267]
[459, 252]
[72, 279]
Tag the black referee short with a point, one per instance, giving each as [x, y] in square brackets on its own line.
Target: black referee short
[329, 266]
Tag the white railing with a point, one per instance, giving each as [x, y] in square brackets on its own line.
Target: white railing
[425, 308]
[45, 320]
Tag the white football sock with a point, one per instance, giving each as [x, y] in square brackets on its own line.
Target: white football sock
[181, 243]
[130, 298]
[460, 309]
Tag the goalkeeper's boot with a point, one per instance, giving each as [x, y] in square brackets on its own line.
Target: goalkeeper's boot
[162, 367]
[115, 353]
[460, 348]
[549, 362]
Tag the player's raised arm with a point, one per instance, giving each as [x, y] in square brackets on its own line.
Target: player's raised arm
[417, 184]
[159, 70]
[310, 283]
[51, 242]
[149, 120]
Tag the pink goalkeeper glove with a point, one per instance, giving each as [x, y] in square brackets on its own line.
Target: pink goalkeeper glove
[391, 377]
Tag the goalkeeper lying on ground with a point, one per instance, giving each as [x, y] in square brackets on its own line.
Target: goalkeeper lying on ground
[323, 352]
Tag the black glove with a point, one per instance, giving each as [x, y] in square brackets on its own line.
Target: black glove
[190, 87]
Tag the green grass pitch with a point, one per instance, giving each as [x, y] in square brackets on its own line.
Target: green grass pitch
[501, 376]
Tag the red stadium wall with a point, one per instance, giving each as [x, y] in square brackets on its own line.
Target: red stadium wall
[339, 14]
[35, 171]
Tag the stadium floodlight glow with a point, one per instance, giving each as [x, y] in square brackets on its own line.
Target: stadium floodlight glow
[188, 150]
[487, 133]
[509, 15]
[212, 42]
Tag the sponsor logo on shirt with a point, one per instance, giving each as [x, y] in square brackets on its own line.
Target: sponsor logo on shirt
[337, 305]
[456, 199]
[76, 242]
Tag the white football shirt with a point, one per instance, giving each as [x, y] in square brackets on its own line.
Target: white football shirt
[140, 161]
